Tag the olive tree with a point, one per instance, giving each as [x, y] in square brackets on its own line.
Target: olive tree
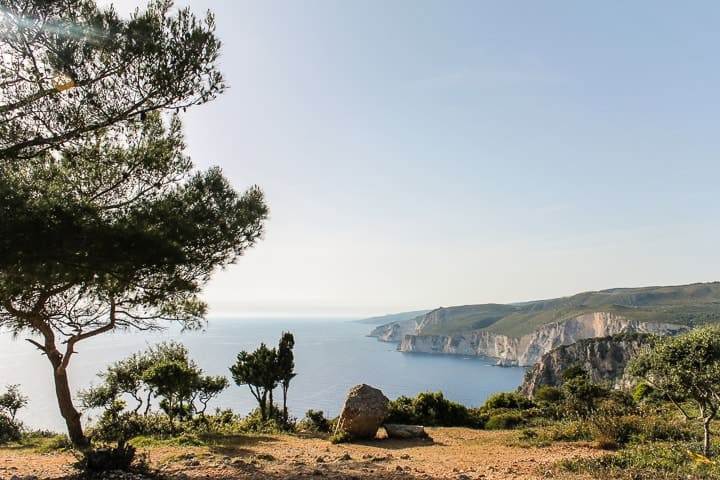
[686, 368]
[69, 68]
[116, 232]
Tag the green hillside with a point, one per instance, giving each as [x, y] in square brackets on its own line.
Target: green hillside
[691, 305]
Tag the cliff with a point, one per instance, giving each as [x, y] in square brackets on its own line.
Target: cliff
[395, 331]
[604, 359]
[528, 349]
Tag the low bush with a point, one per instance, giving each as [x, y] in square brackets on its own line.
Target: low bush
[341, 437]
[568, 431]
[504, 421]
[105, 459]
[508, 400]
[657, 461]
[314, 421]
[254, 423]
[430, 409]
[10, 430]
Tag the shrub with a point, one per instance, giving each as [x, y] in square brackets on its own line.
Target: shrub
[315, 421]
[508, 400]
[431, 409]
[504, 421]
[568, 431]
[340, 437]
[254, 422]
[9, 430]
[116, 425]
[548, 394]
[105, 459]
[612, 431]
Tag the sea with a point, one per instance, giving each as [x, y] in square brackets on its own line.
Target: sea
[331, 356]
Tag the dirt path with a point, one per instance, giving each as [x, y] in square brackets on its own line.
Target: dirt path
[455, 453]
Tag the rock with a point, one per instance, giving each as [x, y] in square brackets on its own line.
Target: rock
[363, 412]
[604, 359]
[405, 431]
[528, 349]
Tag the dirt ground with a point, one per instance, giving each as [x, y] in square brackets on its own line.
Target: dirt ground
[454, 453]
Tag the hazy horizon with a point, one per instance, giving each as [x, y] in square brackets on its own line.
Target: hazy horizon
[419, 154]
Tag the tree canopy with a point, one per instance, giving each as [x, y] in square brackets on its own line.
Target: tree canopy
[70, 68]
[686, 368]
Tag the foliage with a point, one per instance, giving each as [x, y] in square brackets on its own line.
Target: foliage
[430, 409]
[273, 422]
[263, 370]
[71, 68]
[686, 367]
[286, 365]
[114, 230]
[164, 371]
[509, 400]
[655, 461]
[105, 459]
[343, 436]
[315, 421]
[504, 421]
[12, 400]
[9, 430]
[581, 396]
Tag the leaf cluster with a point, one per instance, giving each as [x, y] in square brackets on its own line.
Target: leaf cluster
[72, 67]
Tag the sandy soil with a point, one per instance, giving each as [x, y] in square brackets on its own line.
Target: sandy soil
[454, 453]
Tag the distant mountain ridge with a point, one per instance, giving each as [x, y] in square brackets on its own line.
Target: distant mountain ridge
[392, 317]
[518, 334]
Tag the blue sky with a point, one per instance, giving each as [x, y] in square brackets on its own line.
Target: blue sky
[417, 154]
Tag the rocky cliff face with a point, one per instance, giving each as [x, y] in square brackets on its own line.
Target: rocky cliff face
[394, 332]
[604, 359]
[528, 349]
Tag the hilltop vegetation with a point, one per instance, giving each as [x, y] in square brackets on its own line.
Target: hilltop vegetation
[690, 305]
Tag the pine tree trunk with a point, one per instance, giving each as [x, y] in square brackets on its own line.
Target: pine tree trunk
[64, 398]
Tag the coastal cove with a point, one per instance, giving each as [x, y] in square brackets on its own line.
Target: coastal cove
[331, 355]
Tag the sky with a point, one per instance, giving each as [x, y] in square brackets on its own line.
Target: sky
[418, 154]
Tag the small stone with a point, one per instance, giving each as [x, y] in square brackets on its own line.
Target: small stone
[320, 459]
[405, 456]
[346, 456]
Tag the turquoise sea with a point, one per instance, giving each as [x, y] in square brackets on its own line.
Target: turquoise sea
[330, 357]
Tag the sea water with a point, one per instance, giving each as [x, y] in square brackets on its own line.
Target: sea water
[330, 357]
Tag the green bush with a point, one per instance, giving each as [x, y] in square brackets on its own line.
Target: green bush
[106, 459]
[116, 425]
[657, 461]
[315, 421]
[504, 421]
[548, 394]
[430, 409]
[254, 423]
[10, 430]
[509, 400]
[341, 437]
[568, 431]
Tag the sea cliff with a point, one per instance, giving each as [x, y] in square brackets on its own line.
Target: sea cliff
[604, 359]
[521, 351]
